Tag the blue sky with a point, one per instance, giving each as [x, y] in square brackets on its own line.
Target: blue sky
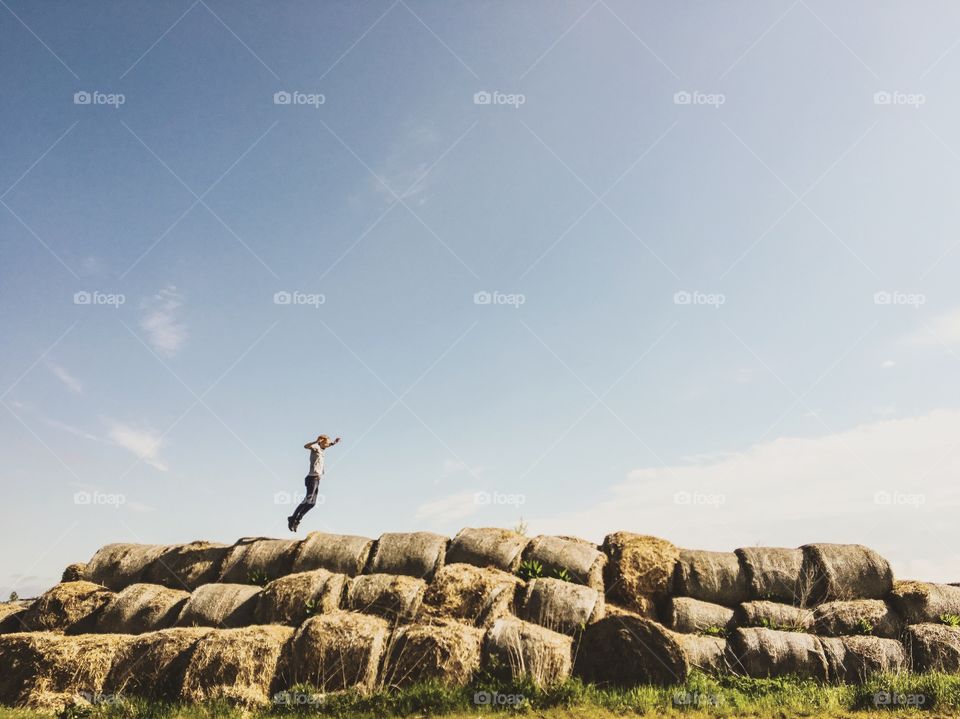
[719, 244]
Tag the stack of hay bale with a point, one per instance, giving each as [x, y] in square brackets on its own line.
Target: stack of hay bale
[242, 622]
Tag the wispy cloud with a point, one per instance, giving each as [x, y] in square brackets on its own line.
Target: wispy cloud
[69, 381]
[404, 170]
[165, 330]
[70, 429]
[144, 443]
[454, 507]
[944, 329]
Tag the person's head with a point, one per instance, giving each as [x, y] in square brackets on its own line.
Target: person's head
[323, 440]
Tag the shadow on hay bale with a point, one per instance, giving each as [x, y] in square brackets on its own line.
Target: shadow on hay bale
[153, 665]
[255, 559]
[414, 554]
[488, 547]
[335, 651]
[471, 594]
[762, 653]
[582, 561]
[639, 569]
[11, 617]
[773, 573]
[392, 596]
[561, 606]
[187, 566]
[706, 653]
[629, 651]
[845, 571]
[140, 608]
[924, 602]
[66, 607]
[773, 615]
[235, 665]
[934, 648]
[444, 650]
[295, 597]
[220, 605]
[337, 553]
[715, 577]
[514, 650]
[857, 616]
[116, 566]
[76, 572]
[855, 659]
[691, 616]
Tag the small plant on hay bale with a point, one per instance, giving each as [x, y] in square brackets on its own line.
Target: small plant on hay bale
[530, 569]
[951, 620]
[13, 597]
[714, 631]
[521, 527]
[863, 627]
[258, 577]
[561, 574]
[312, 607]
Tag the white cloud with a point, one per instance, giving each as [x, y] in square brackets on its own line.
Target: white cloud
[887, 364]
[455, 466]
[145, 444]
[69, 381]
[942, 329]
[165, 331]
[405, 168]
[447, 509]
[795, 490]
[70, 429]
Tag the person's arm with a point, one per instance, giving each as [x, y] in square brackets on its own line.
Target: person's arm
[310, 445]
[336, 441]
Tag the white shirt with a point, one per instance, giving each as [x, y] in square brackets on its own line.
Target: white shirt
[316, 460]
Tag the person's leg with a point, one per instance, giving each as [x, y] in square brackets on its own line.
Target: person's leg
[312, 485]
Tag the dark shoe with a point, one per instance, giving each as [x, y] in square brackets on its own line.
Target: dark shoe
[292, 524]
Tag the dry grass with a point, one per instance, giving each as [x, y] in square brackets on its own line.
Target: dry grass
[515, 649]
[257, 557]
[66, 606]
[445, 650]
[291, 599]
[488, 547]
[394, 597]
[141, 608]
[471, 594]
[561, 606]
[341, 554]
[220, 605]
[415, 554]
[187, 566]
[580, 559]
[119, 565]
[639, 569]
[153, 665]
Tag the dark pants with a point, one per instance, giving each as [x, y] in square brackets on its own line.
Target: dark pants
[313, 485]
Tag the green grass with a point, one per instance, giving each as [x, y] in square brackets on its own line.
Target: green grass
[701, 696]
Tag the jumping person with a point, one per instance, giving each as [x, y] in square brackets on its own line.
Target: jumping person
[312, 480]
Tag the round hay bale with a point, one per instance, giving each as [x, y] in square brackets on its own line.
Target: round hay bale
[691, 616]
[235, 665]
[71, 666]
[774, 573]
[141, 608]
[337, 651]
[220, 605]
[515, 650]
[487, 547]
[761, 653]
[923, 602]
[76, 572]
[445, 651]
[20, 658]
[12, 617]
[415, 554]
[854, 659]
[66, 607]
[257, 560]
[715, 577]
[187, 566]
[934, 648]
[153, 665]
[629, 651]
[773, 615]
[116, 566]
[580, 559]
[639, 568]
[393, 596]
[561, 606]
[293, 598]
[337, 553]
[858, 616]
[708, 654]
[844, 571]
[471, 594]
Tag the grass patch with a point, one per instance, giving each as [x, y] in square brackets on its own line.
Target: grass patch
[700, 696]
